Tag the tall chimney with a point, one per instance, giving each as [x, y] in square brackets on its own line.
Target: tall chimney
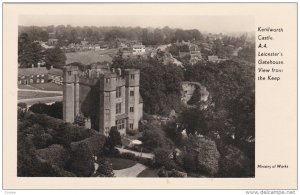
[119, 71]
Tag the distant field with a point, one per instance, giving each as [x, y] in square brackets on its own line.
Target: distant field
[32, 94]
[88, 57]
[48, 87]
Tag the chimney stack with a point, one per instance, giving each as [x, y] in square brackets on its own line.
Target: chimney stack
[119, 71]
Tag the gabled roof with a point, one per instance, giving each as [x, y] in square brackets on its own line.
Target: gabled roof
[56, 71]
[32, 71]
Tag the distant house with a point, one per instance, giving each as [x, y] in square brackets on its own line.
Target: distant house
[55, 75]
[183, 54]
[52, 41]
[213, 59]
[138, 49]
[33, 75]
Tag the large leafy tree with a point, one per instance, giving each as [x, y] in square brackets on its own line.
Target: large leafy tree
[29, 52]
[55, 57]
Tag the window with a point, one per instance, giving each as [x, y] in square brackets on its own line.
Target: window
[118, 108]
[106, 80]
[31, 81]
[132, 109]
[38, 75]
[131, 93]
[42, 75]
[42, 80]
[118, 93]
[132, 76]
[120, 124]
[106, 131]
[69, 73]
[131, 125]
[107, 114]
[106, 94]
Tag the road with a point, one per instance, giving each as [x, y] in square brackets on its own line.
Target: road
[141, 154]
[131, 171]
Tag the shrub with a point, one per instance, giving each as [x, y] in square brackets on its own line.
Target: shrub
[206, 154]
[234, 163]
[162, 159]
[81, 162]
[105, 168]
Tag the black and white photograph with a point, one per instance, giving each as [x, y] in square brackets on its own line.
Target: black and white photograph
[136, 96]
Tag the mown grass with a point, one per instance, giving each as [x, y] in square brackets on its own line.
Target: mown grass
[31, 94]
[88, 57]
[148, 173]
[119, 163]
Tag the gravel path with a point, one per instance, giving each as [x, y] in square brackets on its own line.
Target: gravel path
[130, 172]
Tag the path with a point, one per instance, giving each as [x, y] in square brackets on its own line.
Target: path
[141, 154]
[131, 171]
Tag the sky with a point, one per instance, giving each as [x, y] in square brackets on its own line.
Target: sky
[208, 24]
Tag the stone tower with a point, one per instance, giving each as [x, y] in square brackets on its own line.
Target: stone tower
[132, 83]
[70, 93]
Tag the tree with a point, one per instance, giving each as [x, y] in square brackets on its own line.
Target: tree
[55, 57]
[105, 168]
[194, 121]
[29, 53]
[81, 162]
[114, 137]
[234, 163]
[162, 159]
[206, 154]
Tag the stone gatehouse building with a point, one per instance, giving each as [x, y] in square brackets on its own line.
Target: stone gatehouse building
[103, 97]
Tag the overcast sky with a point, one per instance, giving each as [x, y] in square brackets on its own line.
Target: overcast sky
[213, 24]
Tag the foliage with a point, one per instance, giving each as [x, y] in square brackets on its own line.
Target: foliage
[163, 159]
[154, 137]
[105, 168]
[29, 52]
[55, 57]
[234, 163]
[37, 131]
[231, 86]
[68, 34]
[114, 137]
[81, 161]
[53, 110]
[205, 152]
[174, 132]
[194, 121]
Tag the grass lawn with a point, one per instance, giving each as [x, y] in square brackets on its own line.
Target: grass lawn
[48, 86]
[31, 94]
[149, 173]
[119, 163]
[26, 87]
[88, 57]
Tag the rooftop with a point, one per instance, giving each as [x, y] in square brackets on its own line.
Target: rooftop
[32, 71]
